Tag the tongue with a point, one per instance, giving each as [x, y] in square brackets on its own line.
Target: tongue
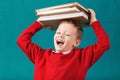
[60, 43]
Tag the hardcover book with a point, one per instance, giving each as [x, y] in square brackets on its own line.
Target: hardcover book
[51, 16]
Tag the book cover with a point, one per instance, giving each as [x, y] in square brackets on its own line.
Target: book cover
[51, 16]
[54, 20]
[74, 4]
[57, 11]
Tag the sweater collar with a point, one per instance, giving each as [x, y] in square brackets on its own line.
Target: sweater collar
[66, 52]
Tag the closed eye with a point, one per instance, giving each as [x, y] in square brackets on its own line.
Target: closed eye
[67, 34]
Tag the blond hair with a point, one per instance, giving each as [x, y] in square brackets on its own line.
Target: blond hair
[76, 24]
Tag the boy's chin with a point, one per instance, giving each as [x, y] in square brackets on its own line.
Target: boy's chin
[59, 50]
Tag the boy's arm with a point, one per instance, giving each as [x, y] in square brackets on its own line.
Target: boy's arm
[94, 52]
[25, 43]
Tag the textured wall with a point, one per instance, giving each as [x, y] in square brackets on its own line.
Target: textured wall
[16, 15]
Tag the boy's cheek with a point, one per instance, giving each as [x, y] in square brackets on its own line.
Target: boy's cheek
[54, 38]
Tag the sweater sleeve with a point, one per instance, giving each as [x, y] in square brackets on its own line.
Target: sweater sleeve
[25, 43]
[94, 52]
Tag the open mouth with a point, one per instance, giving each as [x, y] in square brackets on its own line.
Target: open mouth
[60, 42]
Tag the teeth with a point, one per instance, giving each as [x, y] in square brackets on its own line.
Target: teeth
[60, 42]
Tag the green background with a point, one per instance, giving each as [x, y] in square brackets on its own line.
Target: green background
[16, 15]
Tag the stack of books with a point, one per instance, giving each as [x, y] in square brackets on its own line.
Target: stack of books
[51, 16]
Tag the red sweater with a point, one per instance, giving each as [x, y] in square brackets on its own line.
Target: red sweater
[72, 66]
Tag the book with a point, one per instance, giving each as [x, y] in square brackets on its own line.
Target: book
[57, 11]
[54, 20]
[75, 4]
[52, 16]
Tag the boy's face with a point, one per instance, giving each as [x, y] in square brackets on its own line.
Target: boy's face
[65, 38]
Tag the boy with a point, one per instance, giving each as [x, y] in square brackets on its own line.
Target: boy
[67, 62]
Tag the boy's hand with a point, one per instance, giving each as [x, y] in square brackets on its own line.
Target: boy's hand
[92, 16]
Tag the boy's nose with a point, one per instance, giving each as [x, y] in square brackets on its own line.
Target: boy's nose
[62, 35]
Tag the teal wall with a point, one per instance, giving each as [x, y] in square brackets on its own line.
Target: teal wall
[16, 15]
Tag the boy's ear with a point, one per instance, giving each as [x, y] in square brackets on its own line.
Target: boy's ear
[77, 42]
